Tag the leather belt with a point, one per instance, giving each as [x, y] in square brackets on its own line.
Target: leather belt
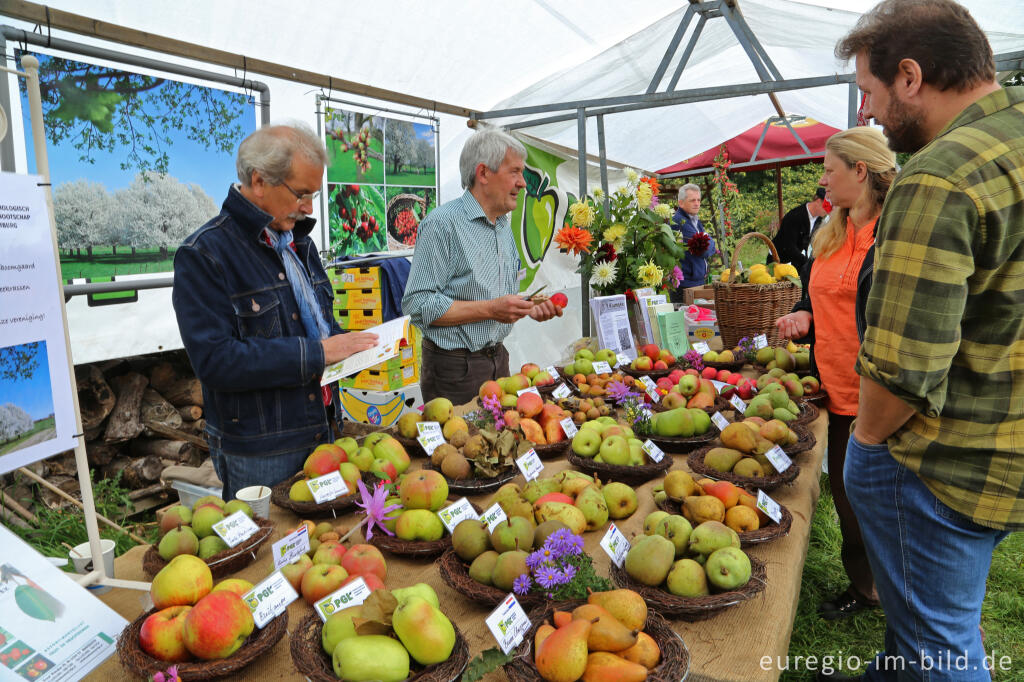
[491, 351]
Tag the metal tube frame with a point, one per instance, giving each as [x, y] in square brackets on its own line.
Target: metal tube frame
[581, 153]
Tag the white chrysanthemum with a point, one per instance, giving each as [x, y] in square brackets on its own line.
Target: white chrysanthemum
[604, 274]
[663, 211]
[598, 193]
[631, 175]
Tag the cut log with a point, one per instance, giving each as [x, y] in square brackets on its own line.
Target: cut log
[178, 434]
[156, 409]
[100, 454]
[93, 433]
[163, 376]
[68, 484]
[63, 465]
[190, 413]
[95, 398]
[177, 450]
[123, 423]
[136, 473]
[184, 392]
[155, 489]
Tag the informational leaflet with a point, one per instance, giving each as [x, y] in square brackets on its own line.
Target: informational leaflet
[612, 323]
[37, 414]
[391, 335]
[52, 628]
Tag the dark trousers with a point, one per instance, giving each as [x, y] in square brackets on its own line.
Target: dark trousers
[457, 374]
[854, 556]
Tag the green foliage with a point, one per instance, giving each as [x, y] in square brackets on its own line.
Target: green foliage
[357, 219]
[486, 663]
[19, 362]
[104, 262]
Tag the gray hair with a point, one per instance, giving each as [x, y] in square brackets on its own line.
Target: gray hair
[688, 187]
[489, 148]
[270, 151]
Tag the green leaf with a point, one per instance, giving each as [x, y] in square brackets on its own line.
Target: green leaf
[487, 662]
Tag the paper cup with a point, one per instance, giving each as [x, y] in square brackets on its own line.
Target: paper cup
[258, 498]
[81, 558]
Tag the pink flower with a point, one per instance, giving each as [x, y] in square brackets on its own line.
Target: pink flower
[677, 276]
[374, 508]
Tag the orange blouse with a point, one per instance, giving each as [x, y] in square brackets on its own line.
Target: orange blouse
[833, 292]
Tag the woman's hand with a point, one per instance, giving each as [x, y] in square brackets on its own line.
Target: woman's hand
[795, 325]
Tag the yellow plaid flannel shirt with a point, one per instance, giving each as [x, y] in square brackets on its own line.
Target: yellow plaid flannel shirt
[945, 316]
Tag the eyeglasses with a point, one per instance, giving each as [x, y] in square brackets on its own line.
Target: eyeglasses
[301, 198]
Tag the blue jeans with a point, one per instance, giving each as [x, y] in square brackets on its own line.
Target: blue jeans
[930, 564]
[237, 472]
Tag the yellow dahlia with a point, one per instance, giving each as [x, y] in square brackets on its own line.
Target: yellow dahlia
[598, 193]
[582, 214]
[650, 274]
[664, 211]
[614, 235]
[643, 195]
[632, 176]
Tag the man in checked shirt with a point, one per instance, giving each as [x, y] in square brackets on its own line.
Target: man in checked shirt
[935, 464]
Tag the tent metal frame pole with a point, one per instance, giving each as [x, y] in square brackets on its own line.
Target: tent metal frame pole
[740, 166]
[760, 140]
[687, 53]
[581, 153]
[603, 155]
[852, 106]
[670, 51]
[785, 119]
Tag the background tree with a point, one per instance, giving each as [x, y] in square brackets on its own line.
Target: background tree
[14, 421]
[158, 210]
[425, 158]
[83, 212]
[401, 147]
[19, 362]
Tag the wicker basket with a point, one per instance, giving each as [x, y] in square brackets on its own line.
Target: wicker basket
[417, 549]
[279, 496]
[358, 430]
[222, 563]
[751, 537]
[138, 662]
[815, 398]
[751, 309]
[696, 463]
[456, 573]
[309, 657]
[633, 475]
[693, 608]
[476, 486]
[675, 657]
[805, 441]
[680, 445]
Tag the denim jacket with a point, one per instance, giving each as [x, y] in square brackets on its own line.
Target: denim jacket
[240, 324]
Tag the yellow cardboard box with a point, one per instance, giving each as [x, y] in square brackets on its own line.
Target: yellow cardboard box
[355, 278]
[388, 380]
[358, 319]
[361, 299]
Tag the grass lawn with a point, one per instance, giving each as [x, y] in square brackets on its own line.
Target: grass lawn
[105, 263]
[343, 167]
[411, 179]
[40, 425]
[862, 635]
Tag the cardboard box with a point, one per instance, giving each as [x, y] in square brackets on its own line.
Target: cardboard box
[406, 356]
[361, 299]
[355, 278]
[380, 408]
[387, 380]
[693, 293]
[353, 320]
[701, 331]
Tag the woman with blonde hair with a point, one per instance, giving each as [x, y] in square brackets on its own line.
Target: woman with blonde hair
[859, 167]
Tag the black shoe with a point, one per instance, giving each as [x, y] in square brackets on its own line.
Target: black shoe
[843, 606]
[836, 677]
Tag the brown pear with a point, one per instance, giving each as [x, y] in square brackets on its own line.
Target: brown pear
[697, 510]
[628, 607]
[562, 656]
[645, 652]
[607, 633]
[606, 667]
[738, 437]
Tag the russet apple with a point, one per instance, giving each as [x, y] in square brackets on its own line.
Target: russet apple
[183, 581]
[161, 634]
[365, 559]
[217, 626]
[320, 580]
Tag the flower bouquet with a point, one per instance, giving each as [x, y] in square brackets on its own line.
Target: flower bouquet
[631, 247]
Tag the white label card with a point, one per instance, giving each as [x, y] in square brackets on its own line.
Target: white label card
[327, 487]
[650, 387]
[720, 385]
[562, 391]
[779, 459]
[601, 367]
[621, 359]
[493, 516]
[235, 529]
[653, 451]
[456, 513]
[427, 428]
[615, 544]
[760, 341]
[508, 623]
[569, 427]
[530, 465]
[738, 403]
[290, 547]
[769, 506]
[719, 420]
[352, 594]
[702, 347]
[430, 441]
[270, 598]
[550, 369]
[531, 389]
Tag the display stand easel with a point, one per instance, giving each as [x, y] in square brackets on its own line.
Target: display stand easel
[98, 575]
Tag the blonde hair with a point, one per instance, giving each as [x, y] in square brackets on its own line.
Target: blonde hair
[853, 145]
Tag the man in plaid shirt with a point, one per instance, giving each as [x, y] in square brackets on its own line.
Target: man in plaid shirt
[935, 465]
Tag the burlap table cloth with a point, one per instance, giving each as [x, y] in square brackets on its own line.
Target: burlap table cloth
[732, 645]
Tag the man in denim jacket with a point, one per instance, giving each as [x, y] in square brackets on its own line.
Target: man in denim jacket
[254, 309]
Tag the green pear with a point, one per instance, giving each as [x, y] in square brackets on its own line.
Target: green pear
[508, 567]
[591, 502]
[544, 530]
[650, 559]
[652, 520]
[419, 525]
[426, 632]
[210, 545]
[339, 626]
[438, 410]
[621, 500]
[515, 532]
[371, 657]
[540, 487]
[482, 567]
[687, 579]
[712, 535]
[728, 568]
[677, 529]
[701, 421]
[180, 540]
[421, 590]
[470, 539]
[674, 423]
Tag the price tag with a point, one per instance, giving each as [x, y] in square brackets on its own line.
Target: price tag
[702, 347]
[779, 459]
[550, 369]
[270, 598]
[719, 420]
[352, 594]
[720, 385]
[769, 506]
[652, 450]
[602, 367]
[569, 427]
[530, 465]
[650, 388]
[531, 389]
[562, 391]
[236, 528]
[738, 403]
[290, 547]
[327, 487]
[508, 623]
[493, 516]
[428, 428]
[760, 341]
[621, 359]
[429, 441]
[457, 512]
[615, 544]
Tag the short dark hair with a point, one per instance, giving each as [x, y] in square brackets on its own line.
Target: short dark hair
[940, 35]
[819, 194]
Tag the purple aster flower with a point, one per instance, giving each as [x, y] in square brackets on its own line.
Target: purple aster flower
[568, 572]
[547, 577]
[538, 558]
[521, 585]
[616, 390]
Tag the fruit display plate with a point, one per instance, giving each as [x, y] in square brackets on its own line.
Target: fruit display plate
[693, 608]
[675, 657]
[415, 548]
[680, 445]
[806, 441]
[695, 461]
[731, 366]
[137, 661]
[222, 563]
[476, 486]
[623, 473]
[307, 510]
[750, 537]
[309, 657]
[815, 397]
[359, 431]
[552, 450]
[455, 572]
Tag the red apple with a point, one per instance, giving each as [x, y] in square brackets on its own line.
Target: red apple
[735, 378]
[371, 580]
[660, 365]
[709, 373]
[293, 572]
[667, 357]
[723, 375]
[320, 580]
[323, 460]
[651, 351]
[643, 364]
[675, 374]
[217, 626]
[365, 559]
[161, 634]
[529, 369]
[691, 370]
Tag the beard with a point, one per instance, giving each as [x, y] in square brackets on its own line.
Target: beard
[902, 126]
